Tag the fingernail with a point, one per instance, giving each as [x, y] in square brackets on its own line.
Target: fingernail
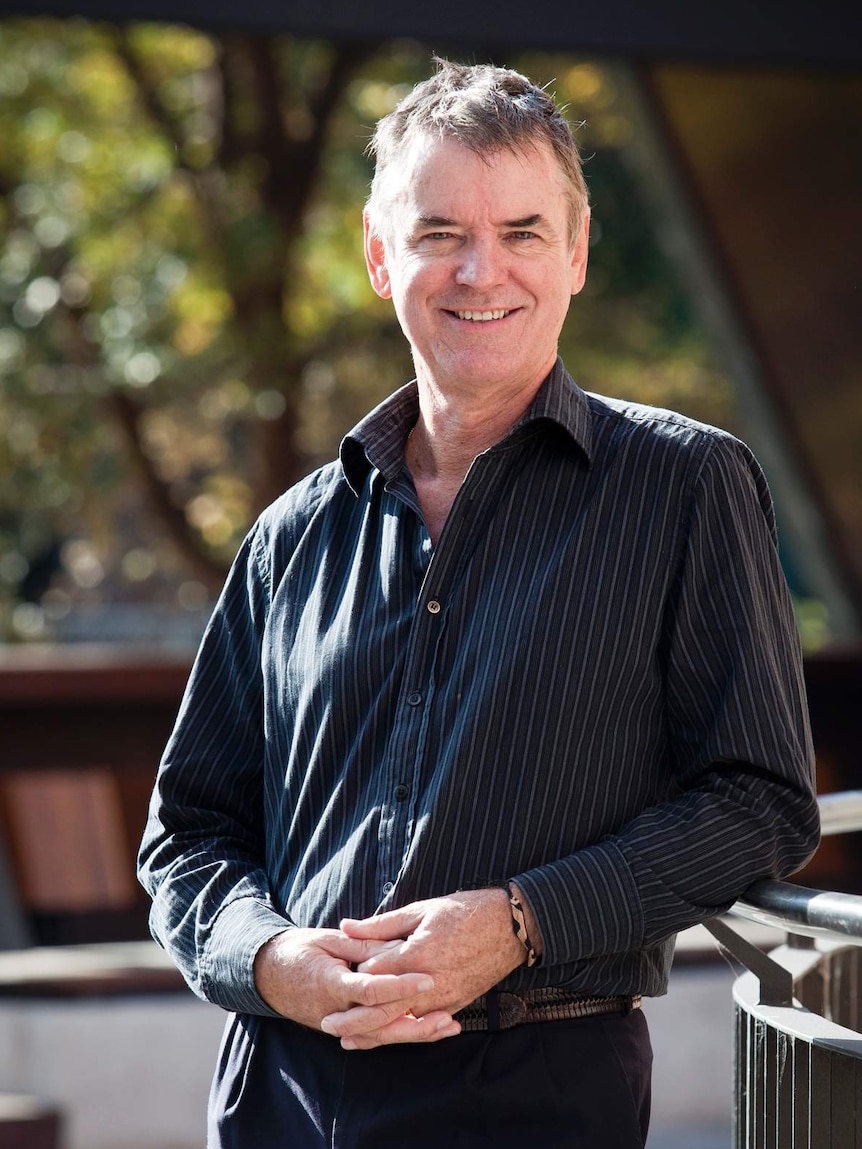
[327, 1026]
[425, 985]
[448, 1023]
[348, 1043]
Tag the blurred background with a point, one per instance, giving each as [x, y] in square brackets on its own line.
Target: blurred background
[186, 328]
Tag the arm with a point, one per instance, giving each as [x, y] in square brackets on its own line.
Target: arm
[202, 858]
[740, 751]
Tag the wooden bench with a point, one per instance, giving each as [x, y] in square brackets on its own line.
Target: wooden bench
[27, 1123]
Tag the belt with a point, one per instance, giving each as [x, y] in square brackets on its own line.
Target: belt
[502, 1009]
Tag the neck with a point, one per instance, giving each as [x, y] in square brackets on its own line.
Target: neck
[450, 433]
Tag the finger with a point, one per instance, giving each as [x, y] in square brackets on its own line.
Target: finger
[356, 950]
[386, 961]
[395, 956]
[432, 1027]
[375, 1001]
[391, 926]
[372, 948]
[362, 1019]
[382, 989]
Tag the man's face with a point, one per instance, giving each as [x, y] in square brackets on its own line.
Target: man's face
[478, 260]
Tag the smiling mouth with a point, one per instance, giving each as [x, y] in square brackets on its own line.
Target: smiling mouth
[482, 316]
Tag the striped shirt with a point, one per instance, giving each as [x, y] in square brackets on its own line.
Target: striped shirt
[591, 685]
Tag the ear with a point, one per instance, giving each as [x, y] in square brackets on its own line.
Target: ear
[375, 259]
[580, 252]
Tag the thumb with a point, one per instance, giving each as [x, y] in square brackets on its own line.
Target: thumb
[383, 927]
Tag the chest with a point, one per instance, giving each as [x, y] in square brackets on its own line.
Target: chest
[527, 579]
[436, 499]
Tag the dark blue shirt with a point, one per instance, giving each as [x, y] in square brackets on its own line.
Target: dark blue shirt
[592, 685]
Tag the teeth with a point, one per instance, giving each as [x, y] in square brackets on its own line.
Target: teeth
[481, 316]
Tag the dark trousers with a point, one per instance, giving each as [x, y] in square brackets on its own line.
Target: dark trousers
[581, 1084]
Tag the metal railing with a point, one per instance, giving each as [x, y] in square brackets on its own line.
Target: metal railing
[798, 1011]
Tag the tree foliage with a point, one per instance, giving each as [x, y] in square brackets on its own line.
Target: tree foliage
[186, 324]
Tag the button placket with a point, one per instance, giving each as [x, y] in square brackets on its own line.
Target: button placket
[409, 749]
[412, 744]
[409, 746]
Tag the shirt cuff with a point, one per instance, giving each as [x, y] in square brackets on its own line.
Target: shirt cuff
[238, 932]
[585, 904]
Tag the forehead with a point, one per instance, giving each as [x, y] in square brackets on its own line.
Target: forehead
[440, 177]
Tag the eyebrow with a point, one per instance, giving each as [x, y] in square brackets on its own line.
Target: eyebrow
[441, 221]
[434, 221]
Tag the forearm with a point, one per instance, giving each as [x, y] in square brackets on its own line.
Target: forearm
[671, 867]
[211, 914]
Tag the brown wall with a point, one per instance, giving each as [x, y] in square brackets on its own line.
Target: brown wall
[772, 160]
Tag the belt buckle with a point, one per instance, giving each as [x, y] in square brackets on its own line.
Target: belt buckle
[513, 1010]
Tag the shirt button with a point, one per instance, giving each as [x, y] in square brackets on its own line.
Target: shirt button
[388, 887]
[414, 698]
[401, 791]
[434, 606]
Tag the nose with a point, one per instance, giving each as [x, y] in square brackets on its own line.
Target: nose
[481, 264]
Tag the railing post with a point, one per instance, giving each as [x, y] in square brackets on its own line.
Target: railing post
[776, 982]
[798, 1051]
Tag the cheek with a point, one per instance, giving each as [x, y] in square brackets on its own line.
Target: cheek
[407, 298]
[413, 286]
[563, 290]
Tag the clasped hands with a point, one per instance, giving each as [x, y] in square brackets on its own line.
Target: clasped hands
[394, 977]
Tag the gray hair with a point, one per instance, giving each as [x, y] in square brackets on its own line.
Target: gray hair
[486, 109]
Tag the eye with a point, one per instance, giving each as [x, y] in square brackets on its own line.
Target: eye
[435, 239]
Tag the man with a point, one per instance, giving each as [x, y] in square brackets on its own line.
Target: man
[489, 708]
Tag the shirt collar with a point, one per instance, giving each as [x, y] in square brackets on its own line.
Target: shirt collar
[378, 440]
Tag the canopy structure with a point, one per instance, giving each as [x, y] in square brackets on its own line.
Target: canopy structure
[796, 32]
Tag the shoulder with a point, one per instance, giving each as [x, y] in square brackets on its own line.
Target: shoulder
[640, 420]
[303, 500]
[279, 528]
[702, 468]
[663, 436]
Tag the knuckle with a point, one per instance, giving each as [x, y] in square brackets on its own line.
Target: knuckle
[388, 1013]
[369, 991]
